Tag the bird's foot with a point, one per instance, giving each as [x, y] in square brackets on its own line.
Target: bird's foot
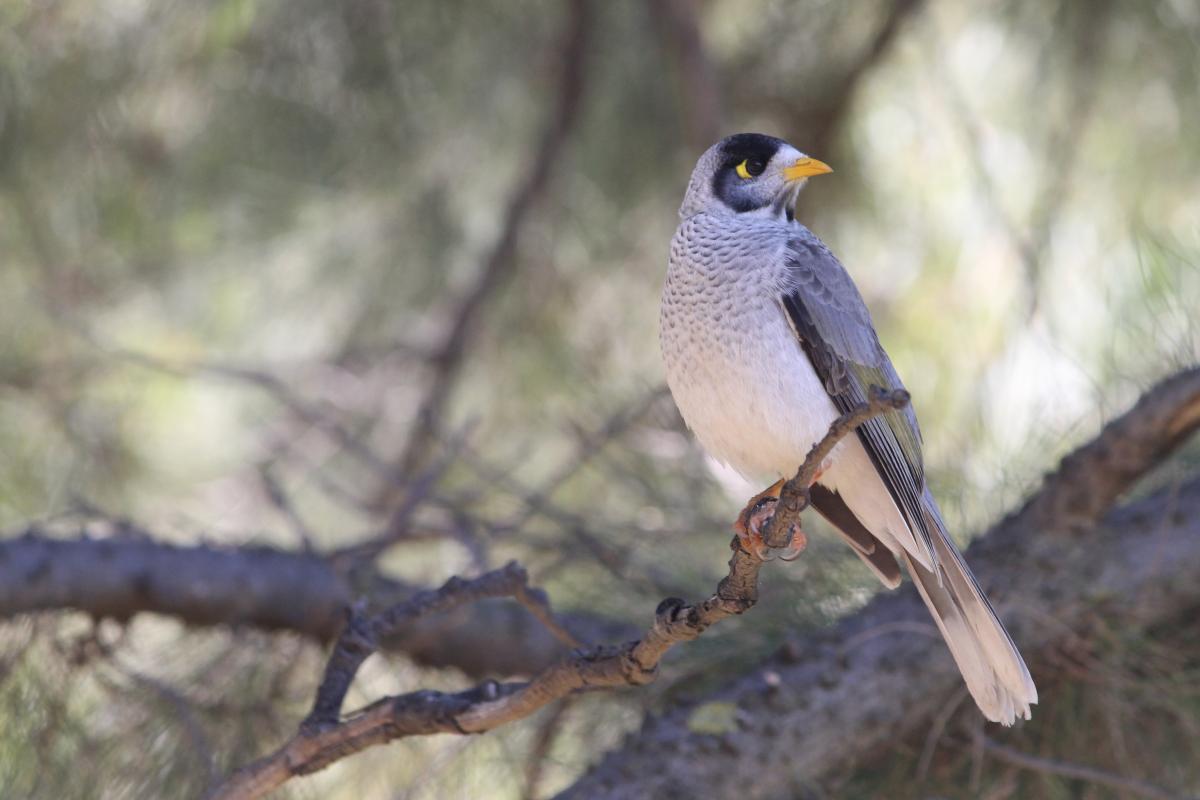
[754, 517]
[748, 527]
[796, 544]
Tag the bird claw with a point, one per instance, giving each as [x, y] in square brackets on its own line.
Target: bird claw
[749, 529]
[753, 544]
[797, 542]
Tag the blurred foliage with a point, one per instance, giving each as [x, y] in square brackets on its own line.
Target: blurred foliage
[197, 195]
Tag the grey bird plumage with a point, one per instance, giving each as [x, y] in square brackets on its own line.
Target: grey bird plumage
[766, 340]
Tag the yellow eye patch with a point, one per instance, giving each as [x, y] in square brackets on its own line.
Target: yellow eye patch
[750, 167]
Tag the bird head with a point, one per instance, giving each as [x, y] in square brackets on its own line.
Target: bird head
[749, 173]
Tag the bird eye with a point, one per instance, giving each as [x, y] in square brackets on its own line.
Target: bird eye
[750, 168]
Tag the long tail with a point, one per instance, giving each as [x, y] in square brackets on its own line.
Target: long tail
[990, 663]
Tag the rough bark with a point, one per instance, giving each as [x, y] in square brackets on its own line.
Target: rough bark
[324, 737]
[265, 588]
[1051, 568]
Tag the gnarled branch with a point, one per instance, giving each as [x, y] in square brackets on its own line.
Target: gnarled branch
[323, 740]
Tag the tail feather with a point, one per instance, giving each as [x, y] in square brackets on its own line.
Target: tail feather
[990, 663]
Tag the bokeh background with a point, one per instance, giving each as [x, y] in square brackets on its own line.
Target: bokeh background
[270, 268]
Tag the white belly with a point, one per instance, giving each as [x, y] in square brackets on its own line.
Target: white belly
[745, 387]
[748, 391]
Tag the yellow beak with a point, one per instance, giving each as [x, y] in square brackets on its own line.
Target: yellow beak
[805, 168]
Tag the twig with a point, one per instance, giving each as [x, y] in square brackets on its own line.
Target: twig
[840, 93]
[537, 603]
[816, 122]
[322, 739]
[793, 498]
[677, 24]
[1062, 150]
[362, 635]
[1080, 772]
[590, 443]
[201, 745]
[417, 491]
[537, 502]
[307, 412]
[448, 358]
[283, 504]
[936, 728]
[490, 704]
[540, 751]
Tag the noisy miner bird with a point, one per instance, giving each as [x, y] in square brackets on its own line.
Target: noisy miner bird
[766, 341]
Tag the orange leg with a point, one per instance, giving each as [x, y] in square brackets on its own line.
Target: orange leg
[754, 517]
[748, 526]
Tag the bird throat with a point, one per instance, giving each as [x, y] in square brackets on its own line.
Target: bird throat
[785, 204]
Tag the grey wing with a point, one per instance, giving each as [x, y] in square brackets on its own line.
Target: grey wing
[835, 330]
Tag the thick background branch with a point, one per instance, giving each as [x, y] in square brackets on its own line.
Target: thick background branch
[266, 588]
[868, 680]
